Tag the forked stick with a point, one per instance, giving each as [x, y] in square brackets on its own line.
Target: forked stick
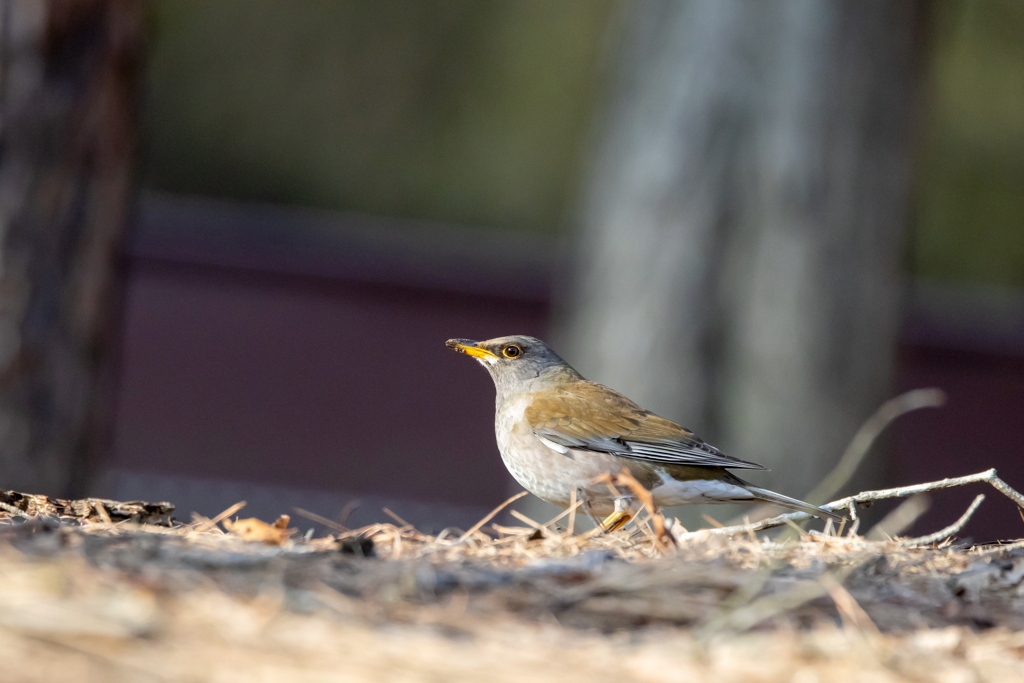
[943, 534]
[988, 476]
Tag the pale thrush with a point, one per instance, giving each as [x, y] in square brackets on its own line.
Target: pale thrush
[558, 432]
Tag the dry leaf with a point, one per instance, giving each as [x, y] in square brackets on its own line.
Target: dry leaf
[257, 530]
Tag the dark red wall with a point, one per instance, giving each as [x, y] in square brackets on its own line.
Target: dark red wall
[982, 426]
[311, 383]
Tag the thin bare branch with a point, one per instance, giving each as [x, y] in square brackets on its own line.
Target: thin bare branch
[473, 529]
[329, 523]
[564, 513]
[988, 476]
[210, 523]
[524, 519]
[955, 527]
[395, 517]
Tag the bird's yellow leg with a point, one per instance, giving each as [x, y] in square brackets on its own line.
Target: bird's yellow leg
[615, 521]
[618, 519]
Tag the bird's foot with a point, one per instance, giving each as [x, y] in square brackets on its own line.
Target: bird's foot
[616, 521]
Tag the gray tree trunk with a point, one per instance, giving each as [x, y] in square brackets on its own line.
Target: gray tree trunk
[738, 257]
[68, 132]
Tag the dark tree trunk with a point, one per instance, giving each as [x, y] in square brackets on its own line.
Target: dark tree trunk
[740, 240]
[69, 75]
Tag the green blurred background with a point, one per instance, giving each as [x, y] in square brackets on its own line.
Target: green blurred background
[475, 112]
[459, 111]
[969, 223]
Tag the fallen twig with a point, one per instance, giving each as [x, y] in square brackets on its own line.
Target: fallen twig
[945, 533]
[473, 529]
[395, 517]
[988, 476]
[208, 524]
[329, 523]
[525, 520]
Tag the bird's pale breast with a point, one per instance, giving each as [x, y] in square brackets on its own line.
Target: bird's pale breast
[549, 474]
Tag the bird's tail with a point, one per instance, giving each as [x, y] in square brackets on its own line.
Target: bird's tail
[792, 503]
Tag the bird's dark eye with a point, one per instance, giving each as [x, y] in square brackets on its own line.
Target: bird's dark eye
[511, 351]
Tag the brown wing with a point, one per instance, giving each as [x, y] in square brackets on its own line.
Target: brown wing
[591, 417]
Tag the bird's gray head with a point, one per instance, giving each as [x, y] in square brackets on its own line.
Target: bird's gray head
[515, 362]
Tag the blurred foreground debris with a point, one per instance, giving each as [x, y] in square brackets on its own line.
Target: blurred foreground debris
[84, 593]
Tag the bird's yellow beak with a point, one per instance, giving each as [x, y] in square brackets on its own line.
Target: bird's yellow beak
[469, 347]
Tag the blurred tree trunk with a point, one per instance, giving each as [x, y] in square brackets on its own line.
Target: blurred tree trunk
[68, 133]
[738, 260]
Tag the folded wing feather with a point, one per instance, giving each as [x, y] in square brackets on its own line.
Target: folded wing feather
[591, 417]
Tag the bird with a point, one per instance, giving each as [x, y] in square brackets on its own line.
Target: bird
[558, 433]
